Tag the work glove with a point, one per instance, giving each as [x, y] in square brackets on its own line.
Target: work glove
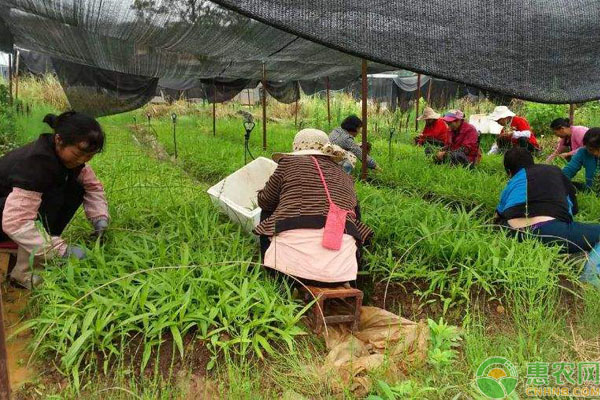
[100, 227]
[74, 251]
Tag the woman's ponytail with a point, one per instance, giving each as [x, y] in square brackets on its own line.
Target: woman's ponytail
[50, 119]
[76, 128]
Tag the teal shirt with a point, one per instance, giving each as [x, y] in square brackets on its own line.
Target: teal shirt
[582, 159]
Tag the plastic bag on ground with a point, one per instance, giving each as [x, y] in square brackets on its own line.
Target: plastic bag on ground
[382, 338]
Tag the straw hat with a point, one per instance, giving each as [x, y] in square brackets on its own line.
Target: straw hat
[314, 142]
[501, 112]
[428, 113]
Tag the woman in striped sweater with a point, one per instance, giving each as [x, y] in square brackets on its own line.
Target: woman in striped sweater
[303, 198]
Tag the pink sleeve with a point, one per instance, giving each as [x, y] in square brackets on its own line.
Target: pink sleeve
[560, 147]
[94, 200]
[19, 223]
[577, 134]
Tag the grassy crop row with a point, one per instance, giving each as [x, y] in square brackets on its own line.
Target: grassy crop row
[400, 220]
[171, 267]
[470, 188]
[409, 169]
[450, 249]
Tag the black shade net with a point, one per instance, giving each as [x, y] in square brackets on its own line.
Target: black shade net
[35, 63]
[99, 92]
[313, 86]
[6, 38]
[284, 92]
[222, 90]
[540, 50]
[533, 49]
[177, 39]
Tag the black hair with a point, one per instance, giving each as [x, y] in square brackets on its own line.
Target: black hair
[517, 158]
[560, 123]
[351, 123]
[592, 138]
[75, 128]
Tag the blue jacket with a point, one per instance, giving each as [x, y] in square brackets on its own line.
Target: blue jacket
[582, 159]
[538, 190]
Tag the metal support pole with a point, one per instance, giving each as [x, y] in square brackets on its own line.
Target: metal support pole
[4, 380]
[10, 79]
[328, 102]
[17, 76]
[572, 113]
[214, 115]
[364, 93]
[264, 106]
[174, 119]
[214, 109]
[417, 102]
[296, 115]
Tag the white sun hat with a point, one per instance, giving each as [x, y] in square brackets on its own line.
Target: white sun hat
[501, 112]
[314, 142]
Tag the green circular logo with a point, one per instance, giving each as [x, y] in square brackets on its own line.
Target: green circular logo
[497, 378]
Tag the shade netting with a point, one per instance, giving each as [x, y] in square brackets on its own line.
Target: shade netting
[533, 49]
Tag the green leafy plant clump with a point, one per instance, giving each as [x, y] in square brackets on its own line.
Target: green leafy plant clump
[170, 268]
[454, 250]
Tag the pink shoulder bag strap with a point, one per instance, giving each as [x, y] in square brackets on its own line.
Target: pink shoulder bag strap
[335, 225]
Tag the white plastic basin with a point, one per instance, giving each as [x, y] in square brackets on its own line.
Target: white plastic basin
[236, 194]
[484, 124]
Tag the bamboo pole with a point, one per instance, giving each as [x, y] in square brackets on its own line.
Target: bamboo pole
[364, 95]
[4, 380]
[264, 106]
[417, 102]
[328, 102]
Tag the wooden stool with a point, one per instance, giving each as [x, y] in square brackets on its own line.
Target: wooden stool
[8, 258]
[324, 294]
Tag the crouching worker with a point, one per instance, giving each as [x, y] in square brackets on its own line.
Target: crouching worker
[344, 138]
[436, 132]
[571, 138]
[516, 132]
[541, 201]
[44, 183]
[314, 223]
[463, 148]
[586, 157]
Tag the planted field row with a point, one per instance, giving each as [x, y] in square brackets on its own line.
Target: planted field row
[408, 170]
[171, 266]
[471, 188]
[453, 250]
